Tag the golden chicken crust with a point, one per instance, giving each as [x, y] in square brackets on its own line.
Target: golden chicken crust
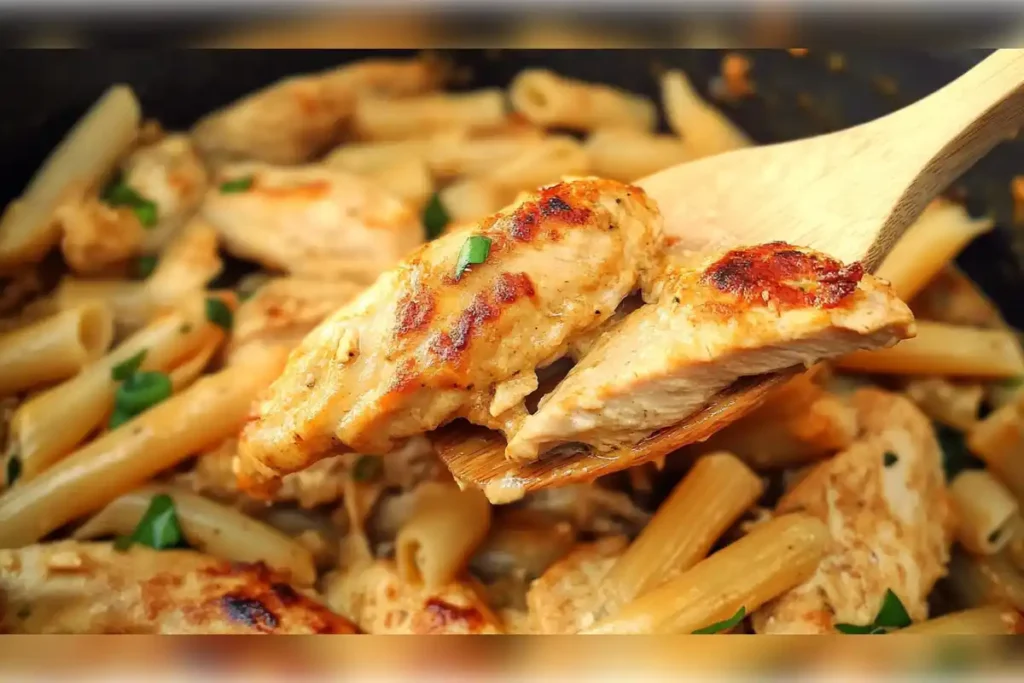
[90, 588]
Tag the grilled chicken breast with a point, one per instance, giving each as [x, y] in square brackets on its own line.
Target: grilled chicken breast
[294, 120]
[311, 220]
[427, 343]
[89, 588]
[750, 311]
[885, 503]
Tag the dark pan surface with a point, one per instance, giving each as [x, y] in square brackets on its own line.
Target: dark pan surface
[796, 96]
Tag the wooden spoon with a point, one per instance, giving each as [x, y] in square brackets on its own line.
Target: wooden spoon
[850, 194]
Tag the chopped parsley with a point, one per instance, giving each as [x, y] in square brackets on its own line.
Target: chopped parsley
[138, 392]
[435, 217]
[955, 456]
[725, 625]
[119, 193]
[13, 469]
[243, 184]
[127, 368]
[890, 459]
[474, 252]
[218, 313]
[158, 529]
[145, 265]
[892, 616]
[367, 468]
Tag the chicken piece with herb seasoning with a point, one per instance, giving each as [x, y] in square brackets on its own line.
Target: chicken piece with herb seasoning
[458, 329]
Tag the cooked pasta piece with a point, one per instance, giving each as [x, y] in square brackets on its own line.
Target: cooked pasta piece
[704, 129]
[208, 527]
[563, 600]
[445, 527]
[553, 101]
[712, 497]
[295, 119]
[992, 620]
[999, 441]
[885, 503]
[951, 297]
[521, 545]
[117, 462]
[957, 405]
[764, 564]
[90, 588]
[364, 158]
[985, 512]
[53, 423]
[455, 155]
[376, 598]
[928, 245]
[624, 154]
[948, 350]
[409, 180]
[54, 348]
[417, 117]
[83, 159]
[985, 580]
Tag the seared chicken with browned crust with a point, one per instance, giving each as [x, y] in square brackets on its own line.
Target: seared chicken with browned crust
[311, 220]
[458, 329]
[746, 312]
[294, 120]
[885, 503]
[91, 588]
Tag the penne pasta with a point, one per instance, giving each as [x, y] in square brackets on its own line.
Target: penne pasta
[955, 405]
[628, 156]
[409, 180]
[366, 157]
[951, 297]
[985, 580]
[83, 159]
[446, 527]
[985, 512]
[52, 424]
[202, 416]
[948, 350]
[771, 559]
[715, 493]
[451, 156]
[704, 129]
[999, 441]
[54, 348]
[991, 620]
[522, 543]
[417, 117]
[552, 101]
[129, 302]
[928, 245]
[209, 527]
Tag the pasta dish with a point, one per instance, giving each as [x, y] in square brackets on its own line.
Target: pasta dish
[270, 335]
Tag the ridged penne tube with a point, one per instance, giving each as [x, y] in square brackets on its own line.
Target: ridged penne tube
[774, 557]
[999, 441]
[627, 155]
[417, 117]
[931, 242]
[121, 460]
[954, 404]
[50, 425]
[715, 493]
[209, 527]
[83, 159]
[54, 348]
[547, 99]
[451, 156]
[189, 368]
[991, 620]
[128, 301]
[364, 157]
[985, 511]
[409, 180]
[948, 350]
[705, 130]
[985, 580]
[445, 528]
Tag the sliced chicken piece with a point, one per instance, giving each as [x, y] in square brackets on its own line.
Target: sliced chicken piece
[885, 503]
[750, 311]
[428, 343]
[311, 219]
[284, 310]
[374, 596]
[296, 119]
[564, 599]
[90, 588]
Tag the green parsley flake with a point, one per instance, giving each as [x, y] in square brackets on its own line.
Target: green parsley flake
[120, 193]
[474, 252]
[890, 459]
[720, 626]
[891, 616]
[127, 368]
[145, 266]
[435, 217]
[218, 313]
[243, 184]
[158, 529]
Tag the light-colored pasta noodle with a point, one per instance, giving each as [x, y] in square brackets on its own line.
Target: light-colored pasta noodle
[550, 100]
[771, 559]
[365, 157]
[205, 414]
[409, 179]
[417, 117]
[446, 527]
[470, 199]
[54, 348]
[985, 512]
[999, 441]
[954, 404]
[716, 492]
[991, 620]
[83, 159]
[941, 349]
[129, 301]
[209, 527]
[188, 369]
[451, 156]
[704, 129]
[628, 156]
[934, 240]
[985, 580]
[951, 297]
[52, 424]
